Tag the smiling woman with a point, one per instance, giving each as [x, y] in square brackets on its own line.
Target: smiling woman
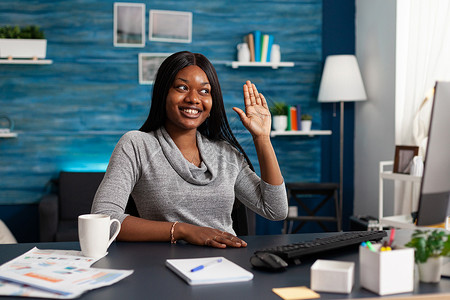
[185, 169]
[189, 101]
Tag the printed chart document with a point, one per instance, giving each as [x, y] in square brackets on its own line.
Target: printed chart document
[208, 270]
[58, 274]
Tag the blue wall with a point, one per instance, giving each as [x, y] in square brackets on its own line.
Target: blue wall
[70, 114]
[338, 37]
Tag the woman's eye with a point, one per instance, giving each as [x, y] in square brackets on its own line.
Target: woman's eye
[205, 91]
[182, 87]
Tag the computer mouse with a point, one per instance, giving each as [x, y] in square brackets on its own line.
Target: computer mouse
[268, 261]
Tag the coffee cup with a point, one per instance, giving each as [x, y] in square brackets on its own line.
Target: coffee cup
[94, 234]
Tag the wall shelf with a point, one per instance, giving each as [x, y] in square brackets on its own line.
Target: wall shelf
[237, 64]
[399, 221]
[8, 135]
[299, 132]
[26, 61]
[398, 176]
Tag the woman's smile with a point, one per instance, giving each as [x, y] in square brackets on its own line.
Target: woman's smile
[189, 101]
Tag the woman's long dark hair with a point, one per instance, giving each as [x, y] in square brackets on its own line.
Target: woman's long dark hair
[216, 126]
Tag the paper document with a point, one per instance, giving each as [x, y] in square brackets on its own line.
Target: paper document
[208, 270]
[54, 274]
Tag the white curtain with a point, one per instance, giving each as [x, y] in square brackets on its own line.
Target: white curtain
[422, 58]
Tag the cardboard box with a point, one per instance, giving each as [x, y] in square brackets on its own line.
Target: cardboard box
[332, 276]
[387, 272]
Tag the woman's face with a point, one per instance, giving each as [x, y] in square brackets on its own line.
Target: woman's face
[189, 101]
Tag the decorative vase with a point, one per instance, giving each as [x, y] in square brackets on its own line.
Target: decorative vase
[306, 125]
[275, 54]
[243, 52]
[23, 48]
[431, 270]
[279, 123]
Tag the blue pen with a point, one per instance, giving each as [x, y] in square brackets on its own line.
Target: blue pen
[201, 267]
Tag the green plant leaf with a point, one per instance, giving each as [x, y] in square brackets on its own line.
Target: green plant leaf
[278, 109]
[446, 249]
[27, 32]
[429, 244]
[306, 117]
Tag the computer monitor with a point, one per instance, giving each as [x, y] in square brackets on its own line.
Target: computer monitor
[435, 188]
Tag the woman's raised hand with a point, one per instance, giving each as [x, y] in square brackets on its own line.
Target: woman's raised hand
[256, 117]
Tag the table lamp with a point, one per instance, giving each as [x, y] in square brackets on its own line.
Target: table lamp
[341, 82]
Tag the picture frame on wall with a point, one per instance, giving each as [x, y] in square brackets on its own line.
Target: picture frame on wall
[148, 66]
[403, 160]
[170, 26]
[129, 24]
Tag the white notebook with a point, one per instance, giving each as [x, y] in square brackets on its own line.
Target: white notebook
[216, 270]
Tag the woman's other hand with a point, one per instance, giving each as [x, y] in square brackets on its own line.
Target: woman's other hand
[205, 236]
[256, 117]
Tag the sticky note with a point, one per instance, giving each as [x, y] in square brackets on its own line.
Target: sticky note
[298, 292]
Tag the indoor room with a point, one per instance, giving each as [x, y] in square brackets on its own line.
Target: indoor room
[353, 95]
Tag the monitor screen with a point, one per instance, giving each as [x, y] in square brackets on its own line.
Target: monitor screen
[435, 188]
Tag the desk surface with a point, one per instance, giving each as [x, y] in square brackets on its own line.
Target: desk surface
[152, 280]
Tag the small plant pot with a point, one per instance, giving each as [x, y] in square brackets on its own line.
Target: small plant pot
[279, 123]
[431, 270]
[306, 125]
[23, 48]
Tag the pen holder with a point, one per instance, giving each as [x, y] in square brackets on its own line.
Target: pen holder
[386, 272]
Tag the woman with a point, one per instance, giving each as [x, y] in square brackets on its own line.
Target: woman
[184, 168]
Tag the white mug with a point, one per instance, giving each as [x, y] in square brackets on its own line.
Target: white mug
[93, 232]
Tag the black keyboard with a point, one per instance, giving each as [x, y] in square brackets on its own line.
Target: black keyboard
[291, 252]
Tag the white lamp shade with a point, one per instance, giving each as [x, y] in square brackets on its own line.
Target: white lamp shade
[341, 80]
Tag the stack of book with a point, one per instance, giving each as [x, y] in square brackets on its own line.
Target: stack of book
[260, 46]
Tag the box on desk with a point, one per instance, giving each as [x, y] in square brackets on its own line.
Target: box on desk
[332, 276]
[387, 272]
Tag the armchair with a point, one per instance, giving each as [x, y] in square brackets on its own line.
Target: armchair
[58, 213]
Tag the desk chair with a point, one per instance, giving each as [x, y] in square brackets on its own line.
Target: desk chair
[241, 219]
[238, 215]
[307, 193]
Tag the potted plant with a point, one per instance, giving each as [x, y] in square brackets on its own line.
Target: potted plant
[306, 121]
[279, 113]
[22, 42]
[430, 247]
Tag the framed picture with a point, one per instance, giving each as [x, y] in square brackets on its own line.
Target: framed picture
[404, 158]
[129, 24]
[148, 66]
[170, 26]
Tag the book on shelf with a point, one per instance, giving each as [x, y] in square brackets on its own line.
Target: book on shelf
[264, 47]
[257, 41]
[251, 45]
[293, 118]
[299, 117]
[289, 119]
